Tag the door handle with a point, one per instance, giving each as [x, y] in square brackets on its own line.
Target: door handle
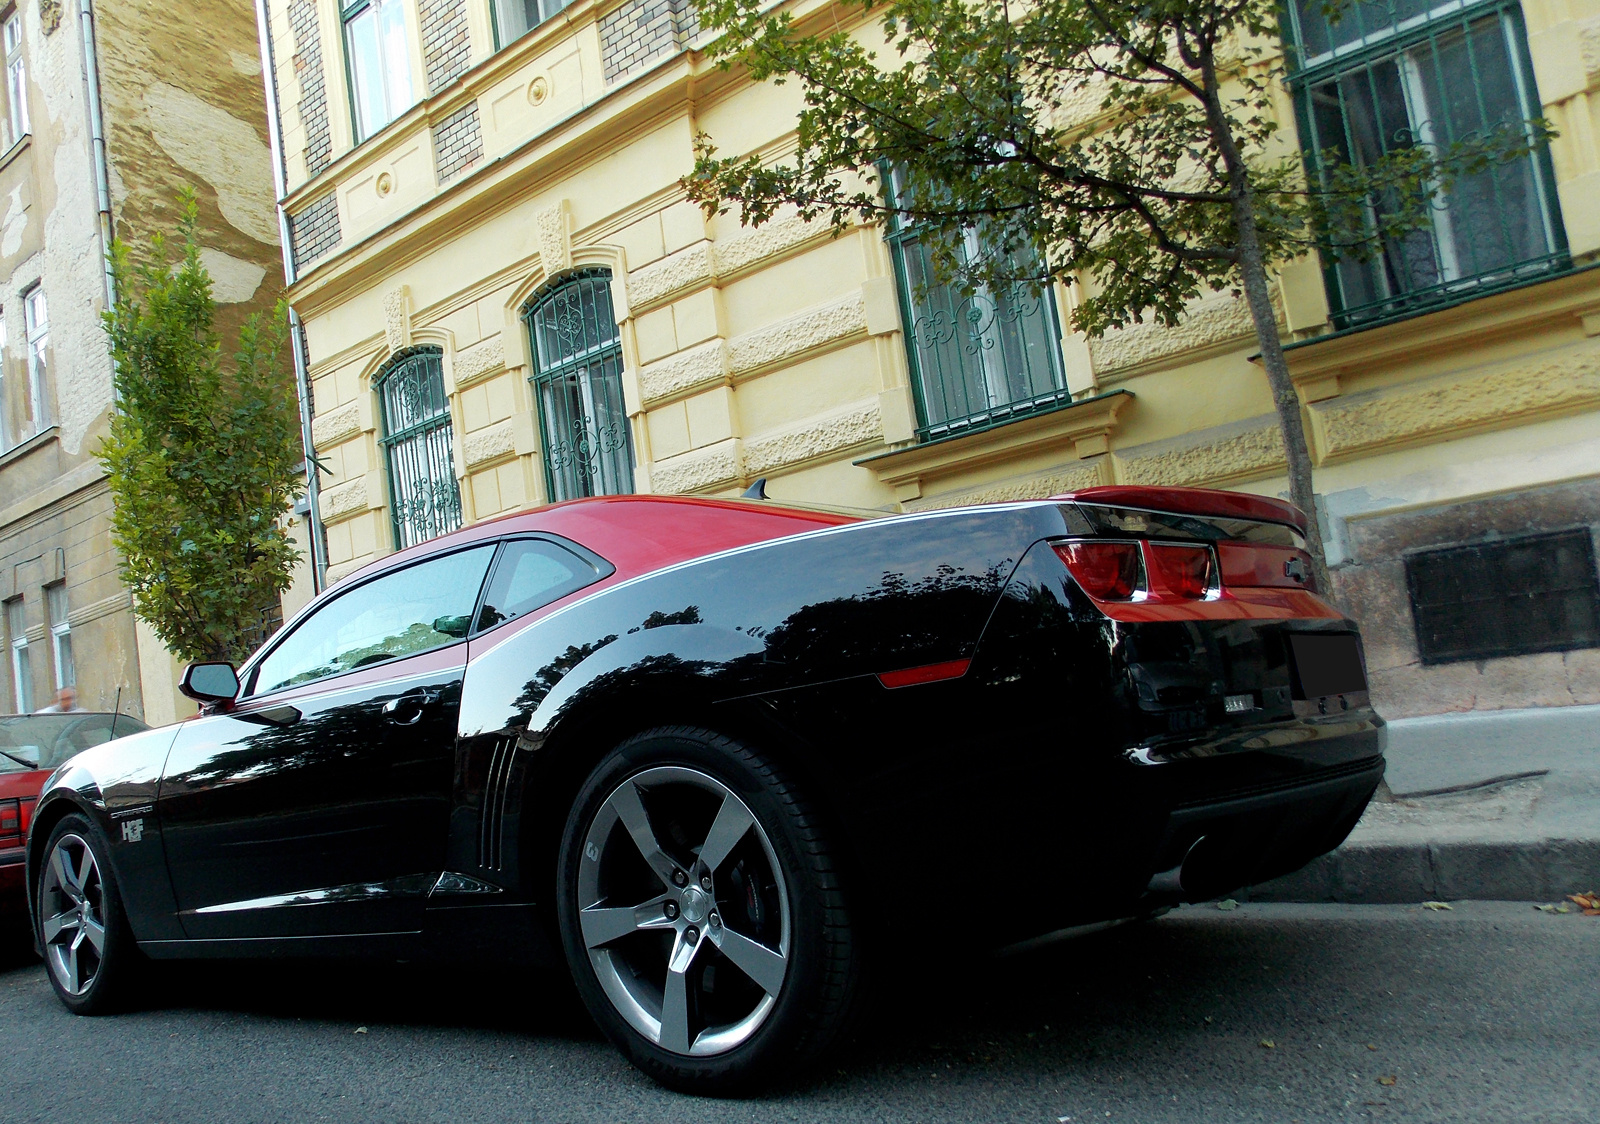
[406, 709]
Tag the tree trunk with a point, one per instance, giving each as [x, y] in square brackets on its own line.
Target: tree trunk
[1253, 270]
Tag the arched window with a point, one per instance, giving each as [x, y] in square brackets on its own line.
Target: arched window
[423, 496]
[577, 380]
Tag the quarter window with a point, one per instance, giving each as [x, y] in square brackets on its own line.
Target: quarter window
[424, 497]
[531, 573]
[16, 82]
[414, 610]
[37, 321]
[515, 18]
[979, 358]
[60, 635]
[577, 380]
[21, 667]
[380, 63]
[1392, 74]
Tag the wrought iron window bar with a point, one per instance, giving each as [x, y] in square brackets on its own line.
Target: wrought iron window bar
[424, 498]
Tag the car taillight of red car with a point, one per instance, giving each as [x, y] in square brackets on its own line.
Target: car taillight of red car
[1142, 570]
[11, 825]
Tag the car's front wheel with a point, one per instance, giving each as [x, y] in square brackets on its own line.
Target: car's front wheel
[702, 914]
[88, 947]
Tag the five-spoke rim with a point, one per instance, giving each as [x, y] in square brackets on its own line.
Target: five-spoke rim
[684, 911]
[72, 909]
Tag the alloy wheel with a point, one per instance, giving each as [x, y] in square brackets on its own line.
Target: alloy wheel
[684, 911]
[72, 909]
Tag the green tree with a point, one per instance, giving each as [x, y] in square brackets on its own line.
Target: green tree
[202, 456]
[1134, 146]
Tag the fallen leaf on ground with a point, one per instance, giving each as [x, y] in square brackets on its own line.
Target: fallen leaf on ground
[1436, 906]
[1545, 908]
[1589, 902]
[1370, 1046]
[360, 1030]
[1269, 1044]
[1390, 1080]
[1227, 903]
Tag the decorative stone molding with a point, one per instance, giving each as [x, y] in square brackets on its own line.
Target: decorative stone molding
[1438, 409]
[104, 607]
[336, 426]
[553, 232]
[397, 318]
[855, 425]
[758, 245]
[1252, 447]
[811, 330]
[1211, 321]
[493, 443]
[479, 361]
[688, 370]
[343, 500]
[1091, 474]
[1083, 427]
[706, 263]
[700, 470]
[656, 283]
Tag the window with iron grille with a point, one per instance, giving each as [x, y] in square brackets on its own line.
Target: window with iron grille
[1509, 597]
[979, 358]
[423, 495]
[577, 381]
[1392, 74]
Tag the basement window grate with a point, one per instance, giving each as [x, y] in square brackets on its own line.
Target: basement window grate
[1508, 597]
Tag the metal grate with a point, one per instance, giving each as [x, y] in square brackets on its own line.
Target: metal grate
[1510, 597]
[424, 498]
[577, 380]
[977, 359]
[1393, 74]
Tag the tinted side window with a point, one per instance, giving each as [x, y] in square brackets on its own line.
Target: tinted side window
[414, 610]
[531, 573]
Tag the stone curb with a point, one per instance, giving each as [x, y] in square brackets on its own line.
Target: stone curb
[1394, 873]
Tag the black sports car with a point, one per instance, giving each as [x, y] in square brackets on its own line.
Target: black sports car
[712, 755]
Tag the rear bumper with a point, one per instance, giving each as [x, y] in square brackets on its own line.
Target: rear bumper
[1211, 848]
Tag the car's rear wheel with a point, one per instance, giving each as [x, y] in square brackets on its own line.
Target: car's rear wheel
[88, 948]
[702, 914]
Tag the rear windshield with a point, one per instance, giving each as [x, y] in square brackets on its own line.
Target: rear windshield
[43, 741]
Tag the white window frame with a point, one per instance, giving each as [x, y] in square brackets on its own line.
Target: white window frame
[395, 78]
[6, 437]
[36, 321]
[21, 665]
[16, 81]
[60, 635]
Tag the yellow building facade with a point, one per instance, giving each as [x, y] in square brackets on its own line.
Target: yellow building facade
[506, 300]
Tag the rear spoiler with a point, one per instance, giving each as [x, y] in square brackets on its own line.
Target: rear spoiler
[1192, 501]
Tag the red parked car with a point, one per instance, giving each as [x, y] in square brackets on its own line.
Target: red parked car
[31, 746]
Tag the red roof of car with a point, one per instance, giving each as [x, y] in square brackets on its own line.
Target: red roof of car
[638, 534]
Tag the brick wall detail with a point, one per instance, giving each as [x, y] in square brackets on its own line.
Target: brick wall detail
[446, 49]
[314, 230]
[457, 143]
[313, 89]
[642, 31]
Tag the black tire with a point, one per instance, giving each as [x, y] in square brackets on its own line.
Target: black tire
[819, 980]
[114, 967]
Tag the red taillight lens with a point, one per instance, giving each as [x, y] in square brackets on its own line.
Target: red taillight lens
[1107, 571]
[1185, 571]
[10, 823]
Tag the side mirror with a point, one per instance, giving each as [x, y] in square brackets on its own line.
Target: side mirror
[453, 626]
[210, 682]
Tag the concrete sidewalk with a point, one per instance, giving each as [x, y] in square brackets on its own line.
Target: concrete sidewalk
[1487, 805]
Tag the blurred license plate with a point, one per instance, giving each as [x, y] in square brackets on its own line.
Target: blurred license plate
[1327, 663]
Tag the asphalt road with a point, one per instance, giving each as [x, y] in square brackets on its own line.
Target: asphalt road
[1489, 1012]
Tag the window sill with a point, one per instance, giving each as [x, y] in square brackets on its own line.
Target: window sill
[15, 150]
[1087, 425]
[29, 444]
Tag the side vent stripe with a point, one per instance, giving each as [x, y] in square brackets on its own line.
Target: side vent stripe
[492, 810]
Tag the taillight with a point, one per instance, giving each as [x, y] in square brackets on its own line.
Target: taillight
[1107, 571]
[10, 823]
[1184, 571]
